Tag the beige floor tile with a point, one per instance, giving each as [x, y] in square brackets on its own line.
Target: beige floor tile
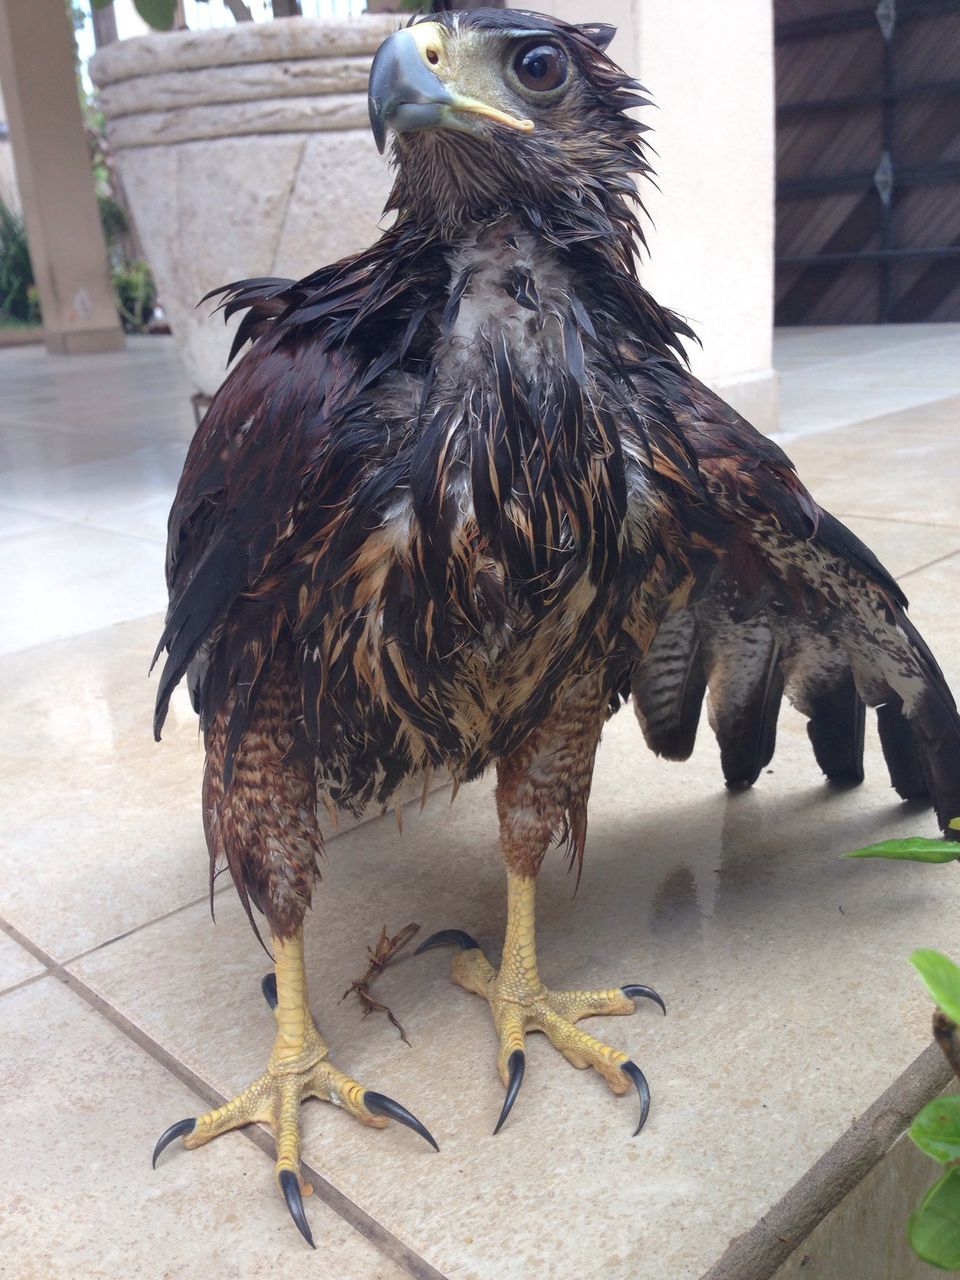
[80, 579]
[901, 467]
[16, 964]
[791, 1007]
[832, 377]
[799, 345]
[78, 1199]
[935, 608]
[111, 492]
[101, 825]
[901, 547]
[26, 449]
[145, 382]
[14, 523]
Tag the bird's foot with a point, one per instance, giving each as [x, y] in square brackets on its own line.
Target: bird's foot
[274, 1098]
[521, 1003]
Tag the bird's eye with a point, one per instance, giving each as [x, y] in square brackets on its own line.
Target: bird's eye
[540, 67]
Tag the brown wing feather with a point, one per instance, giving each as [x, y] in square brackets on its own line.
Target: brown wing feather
[237, 504]
[789, 598]
[258, 478]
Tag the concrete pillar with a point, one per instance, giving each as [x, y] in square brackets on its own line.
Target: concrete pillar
[54, 179]
[709, 68]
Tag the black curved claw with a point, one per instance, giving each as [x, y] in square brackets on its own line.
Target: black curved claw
[463, 940]
[268, 985]
[515, 1065]
[635, 991]
[640, 1080]
[175, 1131]
[379, 1104]
[290, 1186]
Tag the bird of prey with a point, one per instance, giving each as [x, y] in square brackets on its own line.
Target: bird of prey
[458, 500]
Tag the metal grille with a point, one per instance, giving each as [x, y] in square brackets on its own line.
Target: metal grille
[202, 14]
[868, 155]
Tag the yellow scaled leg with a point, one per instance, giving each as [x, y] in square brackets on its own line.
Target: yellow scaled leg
[298, 1068]
[520, 1003]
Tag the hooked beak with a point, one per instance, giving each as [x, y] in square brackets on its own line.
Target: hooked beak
[405, 94]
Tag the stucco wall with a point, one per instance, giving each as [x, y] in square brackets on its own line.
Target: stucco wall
[709, 69]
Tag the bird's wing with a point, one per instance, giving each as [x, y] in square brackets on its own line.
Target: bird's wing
[785, 599]
[240, 498]
[275, 460]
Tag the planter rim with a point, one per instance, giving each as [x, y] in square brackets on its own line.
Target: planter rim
[278, 41]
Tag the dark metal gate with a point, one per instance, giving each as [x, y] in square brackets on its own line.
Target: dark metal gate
[868, 161]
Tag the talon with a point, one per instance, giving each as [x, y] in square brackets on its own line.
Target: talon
[290, 1186]
[639, 1079]
[379, 1104]
[268, 985]
[175, 1131]
[445, 936]
[635, 992]
[515, 1067]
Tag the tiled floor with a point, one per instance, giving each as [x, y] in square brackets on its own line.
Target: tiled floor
[123, 1007]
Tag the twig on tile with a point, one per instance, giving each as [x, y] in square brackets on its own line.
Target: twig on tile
[380, 956]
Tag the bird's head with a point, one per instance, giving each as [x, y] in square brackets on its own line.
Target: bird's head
[500, 111]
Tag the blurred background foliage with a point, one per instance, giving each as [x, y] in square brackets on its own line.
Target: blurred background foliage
[18, 297]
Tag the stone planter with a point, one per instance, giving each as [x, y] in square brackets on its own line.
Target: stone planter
[244, 151]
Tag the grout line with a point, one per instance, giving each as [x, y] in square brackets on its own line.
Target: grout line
[917, 524]
[26, 982]
[60, 523]
[38, 953]
[814, 363]
[365, 1225]
[786, 436]
[126, 533]
[7, 504]
[949, 555]
[227, 886]
[76, 635]
[137, 928]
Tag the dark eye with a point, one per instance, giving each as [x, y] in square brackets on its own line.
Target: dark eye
[541, 67]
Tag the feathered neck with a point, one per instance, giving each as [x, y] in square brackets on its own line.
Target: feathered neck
[444, 197]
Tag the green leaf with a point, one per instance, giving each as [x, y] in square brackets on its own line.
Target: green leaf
[102, 4]
[934, 1226]
[936, 1129]
[941, 977]
[913, 849]
[157, 13]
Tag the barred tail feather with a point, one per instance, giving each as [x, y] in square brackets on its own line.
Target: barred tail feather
[668, 688]
[831, 669]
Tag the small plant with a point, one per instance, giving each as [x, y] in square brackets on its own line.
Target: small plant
[136, 295]
[18, 297]
[934, 1226]
[913, 848]
[133, 285]
[158, 14]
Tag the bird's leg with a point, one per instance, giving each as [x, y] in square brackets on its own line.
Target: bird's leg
[298, 1068]
[542, 788]
[520, 1003]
